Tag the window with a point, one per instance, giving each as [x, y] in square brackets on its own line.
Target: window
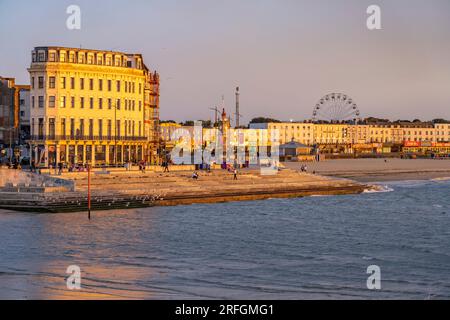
[51, 101]
[90, 59]
[82, 102]
[81, 83]
[118, 104]
[41, 101]
[63, 128]
[81, 127]
[32, 126]
[51, 82]
[91, 84]
[52, 57]
[32, 101]
[62, 102]
[134, 91]
[62, 57]
[126, 86]
[118, 128]
[81, 58]
[109, 128]
[32, 82]
[41, 128]
[72, 83]
[100, 103]
[109, 85]
[99, 60]
[100, 127]
[109, 103]
[41, 82]
[118, 85]
[51, 128]
[100, 84]
[91, 129]
[91, 103]
[140, 105]
[72, 129]
[72, 57]
[72, 102]
[63, 82]
[140, 88]
[41, 57]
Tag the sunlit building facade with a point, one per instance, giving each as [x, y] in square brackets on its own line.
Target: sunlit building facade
[92, 106]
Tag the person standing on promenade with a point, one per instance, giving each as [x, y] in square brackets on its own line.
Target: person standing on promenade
[166, 166]
[235, 174]
[60, 168]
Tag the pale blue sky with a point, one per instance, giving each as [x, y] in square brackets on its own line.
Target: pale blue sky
[284, 54]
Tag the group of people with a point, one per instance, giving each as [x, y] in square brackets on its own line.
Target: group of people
[304, 168]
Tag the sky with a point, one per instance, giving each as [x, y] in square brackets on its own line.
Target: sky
[283, 54]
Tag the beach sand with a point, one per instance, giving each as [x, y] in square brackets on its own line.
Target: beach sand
[373, 170]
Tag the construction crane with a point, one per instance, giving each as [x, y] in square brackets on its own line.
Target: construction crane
[216, 113]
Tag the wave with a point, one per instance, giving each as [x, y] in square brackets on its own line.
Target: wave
[378, 189]
[441, 179]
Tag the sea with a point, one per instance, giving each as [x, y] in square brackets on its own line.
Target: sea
[322, 247]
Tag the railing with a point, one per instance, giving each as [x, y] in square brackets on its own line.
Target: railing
[86, 138]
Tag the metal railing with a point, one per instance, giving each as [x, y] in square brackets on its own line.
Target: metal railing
[109, 138]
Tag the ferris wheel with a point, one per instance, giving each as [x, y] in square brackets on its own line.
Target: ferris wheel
[336, 107]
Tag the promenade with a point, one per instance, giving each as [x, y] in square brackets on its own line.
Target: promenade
[128, 189]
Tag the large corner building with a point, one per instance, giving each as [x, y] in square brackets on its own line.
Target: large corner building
[92, 106]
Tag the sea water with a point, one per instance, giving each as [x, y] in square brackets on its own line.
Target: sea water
[305, 248]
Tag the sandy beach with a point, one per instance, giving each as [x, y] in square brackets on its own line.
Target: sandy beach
[372, 170]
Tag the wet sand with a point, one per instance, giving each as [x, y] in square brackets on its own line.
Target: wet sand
[372, 170]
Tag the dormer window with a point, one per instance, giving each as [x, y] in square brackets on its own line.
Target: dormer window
[41, 57]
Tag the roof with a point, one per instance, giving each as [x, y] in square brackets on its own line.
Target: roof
[294, 144]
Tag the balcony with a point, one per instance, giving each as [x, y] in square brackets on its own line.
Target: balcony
[85, 138]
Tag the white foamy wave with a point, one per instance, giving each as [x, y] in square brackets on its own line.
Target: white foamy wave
[441, 179]
[378, 189]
